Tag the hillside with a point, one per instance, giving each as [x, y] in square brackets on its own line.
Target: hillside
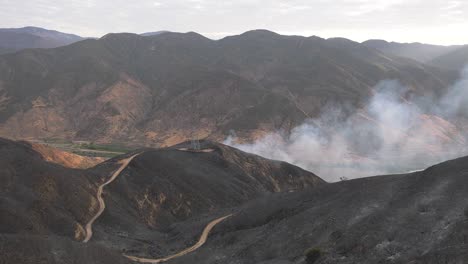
[417, 51]
[64, 158]
[456, 60]
[164, 89]
[420, 217]
[16, 39]
[161, 200]
[50, 205]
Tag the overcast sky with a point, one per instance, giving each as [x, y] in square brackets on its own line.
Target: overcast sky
[429, 21]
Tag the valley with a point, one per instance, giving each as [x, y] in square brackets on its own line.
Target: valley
[105, 97]
[254, 148]
[123, 207]
[85, 148]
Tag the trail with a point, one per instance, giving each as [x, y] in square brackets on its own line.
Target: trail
[197, 245]
[89, 226]
[124, 163]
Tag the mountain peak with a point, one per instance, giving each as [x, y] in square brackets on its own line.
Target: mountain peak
[260, 32]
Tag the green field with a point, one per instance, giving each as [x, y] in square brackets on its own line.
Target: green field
[86, 148]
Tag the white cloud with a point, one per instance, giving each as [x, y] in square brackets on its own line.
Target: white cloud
[363, 7]
[399, 20]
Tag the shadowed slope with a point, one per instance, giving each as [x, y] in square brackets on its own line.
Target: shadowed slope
[413, 218]
[152, 207]
[102, 206]
[169, 186]
[43, 209]
[200, 242]
[38, 197]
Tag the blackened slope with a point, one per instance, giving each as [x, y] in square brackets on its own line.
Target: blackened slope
[414, 218]
[163, 187]
[38, 197]
[158, 203]
[31, 249]
[189, 183]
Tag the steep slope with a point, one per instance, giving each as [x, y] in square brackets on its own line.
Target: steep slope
[420, 217]
[164, 89]
[164, 187]
[15, 39]
[30, 249]
[456, 60]
[161, 200]
[43, 208]
[149, 204]
[416, 51]
[66, 159]
[40, 198]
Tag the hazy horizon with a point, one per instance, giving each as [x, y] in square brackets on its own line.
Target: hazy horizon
[432, 22]
[231, 34]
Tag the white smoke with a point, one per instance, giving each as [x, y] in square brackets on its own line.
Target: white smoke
[389, 135]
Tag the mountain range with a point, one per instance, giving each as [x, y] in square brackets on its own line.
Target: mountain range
[16, 39]
[175, 194]
[164, 89]
[160, 89]
[418, 51]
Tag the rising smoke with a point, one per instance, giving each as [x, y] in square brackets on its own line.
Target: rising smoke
[389, 135]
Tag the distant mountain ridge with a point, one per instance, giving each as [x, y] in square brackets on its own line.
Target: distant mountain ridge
[456, 60]
[167, 88]
[417, 51]
[15, 39]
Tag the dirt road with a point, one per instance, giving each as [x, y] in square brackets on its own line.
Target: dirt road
[89, 226]
[197, 245]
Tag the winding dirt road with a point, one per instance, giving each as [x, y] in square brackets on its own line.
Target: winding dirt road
[197, 245]
[89, 226]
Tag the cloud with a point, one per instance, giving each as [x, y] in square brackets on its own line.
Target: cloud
[363, 7]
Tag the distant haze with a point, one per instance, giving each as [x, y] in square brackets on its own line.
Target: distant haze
[429, 21]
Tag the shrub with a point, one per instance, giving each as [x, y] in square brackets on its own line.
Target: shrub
[312, 255]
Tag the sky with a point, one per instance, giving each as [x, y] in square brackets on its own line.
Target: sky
[442, 22]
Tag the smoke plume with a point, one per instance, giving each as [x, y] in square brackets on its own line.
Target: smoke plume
[389, 135]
